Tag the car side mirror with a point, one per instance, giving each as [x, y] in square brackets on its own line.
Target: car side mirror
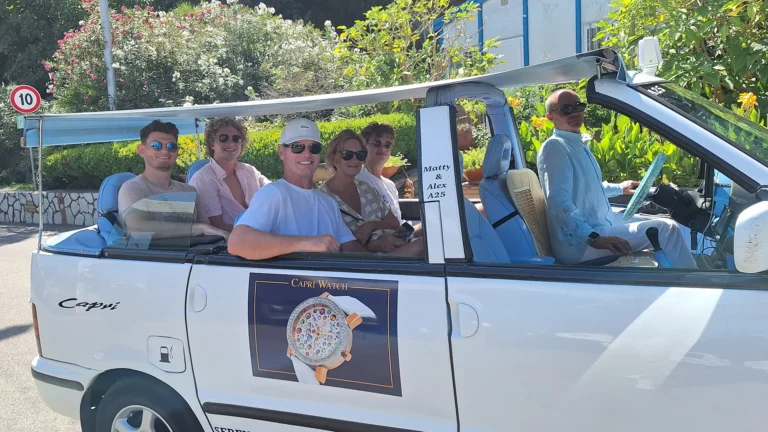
[750, 242]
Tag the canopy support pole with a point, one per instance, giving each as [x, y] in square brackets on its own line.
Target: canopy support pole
[40, 186]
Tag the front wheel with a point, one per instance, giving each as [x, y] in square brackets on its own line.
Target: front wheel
[140, 405]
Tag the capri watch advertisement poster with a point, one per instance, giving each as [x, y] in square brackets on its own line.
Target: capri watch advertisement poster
[337, 332]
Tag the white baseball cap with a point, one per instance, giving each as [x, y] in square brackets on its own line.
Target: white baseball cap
[300, 129]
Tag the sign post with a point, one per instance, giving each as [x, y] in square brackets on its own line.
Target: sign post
[26, 100]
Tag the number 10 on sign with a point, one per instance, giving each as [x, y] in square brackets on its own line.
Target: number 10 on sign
[25, 99]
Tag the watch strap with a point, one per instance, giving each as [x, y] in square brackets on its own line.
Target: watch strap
[304, 373]
[352, 305]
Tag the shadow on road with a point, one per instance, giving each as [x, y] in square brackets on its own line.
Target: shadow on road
[15, 233]
[12, 331]
[11, 234]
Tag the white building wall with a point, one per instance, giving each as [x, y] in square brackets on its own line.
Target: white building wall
[551, 28]
[503, 20]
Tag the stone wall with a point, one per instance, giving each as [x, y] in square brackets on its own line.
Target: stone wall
[65, 208]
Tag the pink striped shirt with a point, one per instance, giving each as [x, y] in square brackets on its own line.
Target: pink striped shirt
[214, 195]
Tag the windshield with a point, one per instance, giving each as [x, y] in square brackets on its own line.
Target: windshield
[162, 221]
[740, 132]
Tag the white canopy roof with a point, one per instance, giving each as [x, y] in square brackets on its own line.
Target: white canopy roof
[109, 126]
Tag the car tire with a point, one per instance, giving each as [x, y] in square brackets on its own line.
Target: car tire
[133, 400]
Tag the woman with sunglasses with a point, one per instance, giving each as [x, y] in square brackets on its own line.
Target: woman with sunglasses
[362, 208]
[226, 185]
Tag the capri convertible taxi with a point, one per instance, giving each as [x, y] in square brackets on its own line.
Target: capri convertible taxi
[486, 332]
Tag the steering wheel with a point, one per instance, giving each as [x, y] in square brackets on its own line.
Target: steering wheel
[645, 185]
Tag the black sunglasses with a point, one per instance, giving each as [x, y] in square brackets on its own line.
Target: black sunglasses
[349, 154]
[569, 109]
[171, 146]
[235, 138]
[298, 148]
[377, 143]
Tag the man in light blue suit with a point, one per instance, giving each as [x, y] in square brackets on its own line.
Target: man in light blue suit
[582, 225]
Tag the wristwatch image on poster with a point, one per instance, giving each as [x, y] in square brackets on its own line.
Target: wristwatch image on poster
[337, 332]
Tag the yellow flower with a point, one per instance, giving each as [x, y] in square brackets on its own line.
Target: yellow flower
[748, 100]
[538, 122]
[515, 102]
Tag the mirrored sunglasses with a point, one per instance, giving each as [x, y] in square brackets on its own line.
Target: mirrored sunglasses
[569, 109]
[298, 148]
[171, 146]
[237, 139]
[349, 154]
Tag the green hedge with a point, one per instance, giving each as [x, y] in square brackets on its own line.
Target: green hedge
[84, 167]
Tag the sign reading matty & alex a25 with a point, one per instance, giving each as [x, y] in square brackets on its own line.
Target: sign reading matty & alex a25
[25, 99]
[337, 332]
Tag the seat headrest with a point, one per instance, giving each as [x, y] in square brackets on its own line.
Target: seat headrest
[196, 165]
[497, 156]
[109, 189]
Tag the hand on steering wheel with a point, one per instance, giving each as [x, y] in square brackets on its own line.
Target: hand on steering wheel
[629, 187]
[645, 185]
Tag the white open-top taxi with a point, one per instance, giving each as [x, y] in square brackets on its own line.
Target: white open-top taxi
[486, 332]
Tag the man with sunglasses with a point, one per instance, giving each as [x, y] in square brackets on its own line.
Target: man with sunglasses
[582, 225]
[159, 148]
[288, 215]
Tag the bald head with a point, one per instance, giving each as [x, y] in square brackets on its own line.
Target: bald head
[552, 101]
[566, 122]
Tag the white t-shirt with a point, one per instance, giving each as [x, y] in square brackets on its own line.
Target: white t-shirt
[386, 189]
[284, 209]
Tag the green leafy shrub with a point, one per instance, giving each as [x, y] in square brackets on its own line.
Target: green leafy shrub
[398, 44]
[397, 160]
[214, 53]
[715, 48]
[84, 167]
[623, 149]
[473, 158]
[14, 160]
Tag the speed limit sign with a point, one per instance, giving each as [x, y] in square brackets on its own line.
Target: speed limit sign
[25, 99]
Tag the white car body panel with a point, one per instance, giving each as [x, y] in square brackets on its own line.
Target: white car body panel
[219, 334]
[63, 400]
[151, 297]
[584, 357]
[234, 424]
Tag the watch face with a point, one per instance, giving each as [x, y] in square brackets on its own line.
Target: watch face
[317, 331]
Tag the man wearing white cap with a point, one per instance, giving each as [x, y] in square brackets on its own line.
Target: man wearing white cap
[288, 215]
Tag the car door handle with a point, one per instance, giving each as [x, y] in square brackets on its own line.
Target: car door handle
[198, 298]
[469, 321]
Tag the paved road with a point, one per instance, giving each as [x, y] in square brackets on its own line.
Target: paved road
[21, 409]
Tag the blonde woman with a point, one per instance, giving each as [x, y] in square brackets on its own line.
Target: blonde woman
[363, 210]
[225, 185]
